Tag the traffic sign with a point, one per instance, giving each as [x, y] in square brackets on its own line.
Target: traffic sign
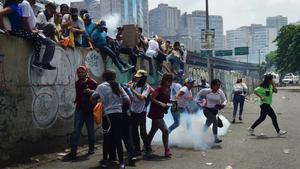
[223, 53]
[241, 50]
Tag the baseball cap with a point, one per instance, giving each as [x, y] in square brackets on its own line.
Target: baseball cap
[189, 80]
[141, 73]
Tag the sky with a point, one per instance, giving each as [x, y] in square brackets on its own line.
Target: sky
[236, 13]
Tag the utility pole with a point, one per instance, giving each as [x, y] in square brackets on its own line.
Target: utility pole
[209, 43]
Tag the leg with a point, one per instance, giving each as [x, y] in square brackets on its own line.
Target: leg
[107, 51]
[116, 127]
[235, 106]
[176, 117]
[89, 122]
[127, 135]
[78, 124]
[273, 116]
[151, 134]
[242, 101]
[149, 59]
[107, 145]
[135, 132]
[165, 133]
[262, 117]
[143, 130]
[131, 54]
[49, 51]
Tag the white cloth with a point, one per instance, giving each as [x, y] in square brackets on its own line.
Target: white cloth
[175, 87]
[76, 24]
[137, 105]
[27, 12]
[153, 48]
[41, 19]
[212, 99]
[112, 103]
[240, 87]
[184, 99]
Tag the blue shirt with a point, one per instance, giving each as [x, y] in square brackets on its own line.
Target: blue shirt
[15, 16]
[99, 38]
[88, 31]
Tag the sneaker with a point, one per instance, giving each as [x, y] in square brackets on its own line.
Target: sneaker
[233, 121]
[240, 118]
[90, 152]
[48, 67]
[69, 157]
[251, 131]
[122, 166]
[103, 164]
[132, 161]
[281, 132]
[129, 67]
[218, 140]
[123, 70]
[36, 64]
[168, 153]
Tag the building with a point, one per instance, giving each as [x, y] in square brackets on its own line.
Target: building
[164, 20]
[192, 26]
[91, 5]
[276, 22]
[130, 12]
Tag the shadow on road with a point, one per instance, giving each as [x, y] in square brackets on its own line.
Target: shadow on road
[264, 137]
[154, 157]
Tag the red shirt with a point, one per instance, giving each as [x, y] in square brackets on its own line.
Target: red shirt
[156, 111]
[80, 86]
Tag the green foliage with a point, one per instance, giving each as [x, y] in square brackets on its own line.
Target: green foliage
[287, 56]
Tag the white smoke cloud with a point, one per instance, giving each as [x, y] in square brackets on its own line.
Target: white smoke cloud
[112, 22]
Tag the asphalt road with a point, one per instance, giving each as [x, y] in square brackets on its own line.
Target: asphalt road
[238, 150]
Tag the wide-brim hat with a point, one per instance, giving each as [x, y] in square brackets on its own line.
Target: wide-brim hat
[141, 73]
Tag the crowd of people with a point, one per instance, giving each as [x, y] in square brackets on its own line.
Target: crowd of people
[71, 28]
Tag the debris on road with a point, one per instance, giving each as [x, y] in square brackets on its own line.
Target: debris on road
[209, 164]
[229, 167]
[286, 151]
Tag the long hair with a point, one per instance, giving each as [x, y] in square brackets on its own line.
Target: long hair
[110, 77]
[266, 83]
[214, 82]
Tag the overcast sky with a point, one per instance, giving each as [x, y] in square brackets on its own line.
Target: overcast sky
[237, 13]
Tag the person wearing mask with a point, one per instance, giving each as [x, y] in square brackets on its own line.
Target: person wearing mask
[23, 23]
[85, 87]
[99, 39]
[73, 27]
[239, 91]
[175, 58]
[215, 100]
[113, 96]
[159, 99]
[140, 90]
[89, 28]
[183, 96]
[265, 92]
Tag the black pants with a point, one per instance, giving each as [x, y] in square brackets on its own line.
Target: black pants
[113, 137]
[127, 134]
[266, 109]
[130, 53]
[211, 115]
[160, 58]
[105, 50]
[143, 56]
[139, 121]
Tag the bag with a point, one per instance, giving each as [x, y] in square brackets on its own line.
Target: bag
[97, 113]
[219, 122]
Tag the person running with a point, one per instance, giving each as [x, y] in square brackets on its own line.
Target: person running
[183, 96]
[85, 86]
[140, 90]
[239, 91]
[215, 100]
[113, 96]
[160, 97]
[265, 92]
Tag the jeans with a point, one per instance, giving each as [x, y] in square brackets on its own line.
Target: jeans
[266, 109]
[105, 50]
[139, 121]
[149, 59]
[238, 100]
[175, 62]
[131, 54]
[81, 118]
[176, 117]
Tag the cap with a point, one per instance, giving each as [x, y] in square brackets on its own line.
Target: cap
[189, 80]
[141, 73]
[86, 16]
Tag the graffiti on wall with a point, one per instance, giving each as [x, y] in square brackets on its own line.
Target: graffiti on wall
[54, 91]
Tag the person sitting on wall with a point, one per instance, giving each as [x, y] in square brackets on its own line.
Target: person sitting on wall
[73, 28]
[99, 38]
[23, 25]
[89, 27]
[175, 58]
[167, 48]
[58, 30]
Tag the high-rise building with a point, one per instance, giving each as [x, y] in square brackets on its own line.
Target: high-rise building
[276, 22]
[92, 6]
[192, 25]
[164, 20]
[130, 11]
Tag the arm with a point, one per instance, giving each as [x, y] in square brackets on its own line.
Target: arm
[4, 12]
[223, 98]
[153, 99]
[26, 24]
[138, 95]
[274, 88]
[178, 94]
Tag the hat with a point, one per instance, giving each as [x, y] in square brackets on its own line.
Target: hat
[86, 16]
[83, 68]
[141, 73]
[189, 80]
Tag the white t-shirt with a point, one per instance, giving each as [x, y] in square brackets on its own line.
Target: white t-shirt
[213, 98]
[27, 12]
[175, 87]
[153, 48]
[183, 99]
[78, 24]
[41, 19]
[240, 87]
[137, 105]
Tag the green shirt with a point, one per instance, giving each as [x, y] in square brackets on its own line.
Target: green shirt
[263, 92]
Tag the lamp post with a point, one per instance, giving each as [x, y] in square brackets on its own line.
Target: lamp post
[208, 41]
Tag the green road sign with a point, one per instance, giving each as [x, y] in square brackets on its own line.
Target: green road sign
[206, 53]
[223, 53]
[241, 50]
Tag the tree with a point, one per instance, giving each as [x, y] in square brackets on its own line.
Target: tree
[270, 59]
[287, 57]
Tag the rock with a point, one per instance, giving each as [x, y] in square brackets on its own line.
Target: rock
[229, 167]
[209, 164]
[286, 151]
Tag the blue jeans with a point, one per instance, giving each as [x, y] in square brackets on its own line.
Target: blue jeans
[81, 118]
[175, 62]
[238, 100]
[105, 50]
[176, 117]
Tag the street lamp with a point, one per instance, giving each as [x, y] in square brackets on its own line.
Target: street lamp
[208, 36]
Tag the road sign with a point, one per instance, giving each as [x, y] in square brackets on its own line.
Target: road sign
[206, 53]
[241, 50]
[223, 53]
